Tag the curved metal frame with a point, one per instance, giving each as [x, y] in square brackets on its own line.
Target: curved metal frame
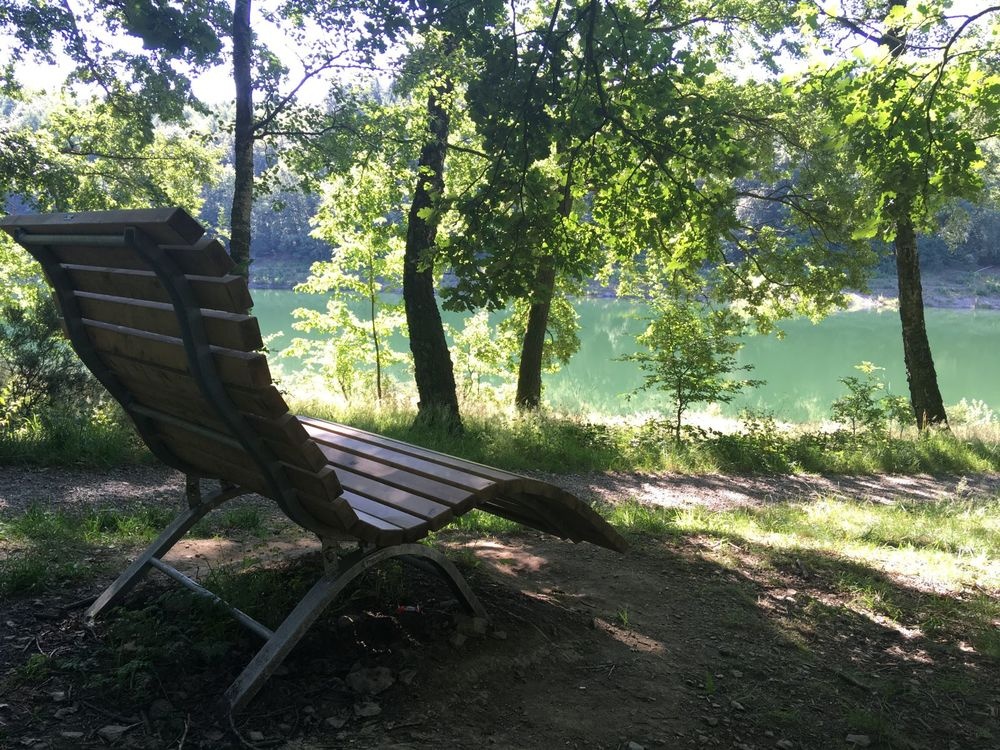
[321, 595]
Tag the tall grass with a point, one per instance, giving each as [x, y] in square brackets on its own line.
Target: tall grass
[550, 442]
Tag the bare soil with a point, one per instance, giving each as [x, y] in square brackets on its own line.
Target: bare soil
[660, 647]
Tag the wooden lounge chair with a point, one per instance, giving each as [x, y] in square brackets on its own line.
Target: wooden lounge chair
[151, 308]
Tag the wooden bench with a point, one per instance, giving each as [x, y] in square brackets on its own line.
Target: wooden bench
[152, 308]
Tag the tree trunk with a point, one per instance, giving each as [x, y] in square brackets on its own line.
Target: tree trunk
[239, 240]
[529, 371]
[432, 366]
[925, 397]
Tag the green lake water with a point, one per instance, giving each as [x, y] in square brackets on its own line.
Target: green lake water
[801, 371]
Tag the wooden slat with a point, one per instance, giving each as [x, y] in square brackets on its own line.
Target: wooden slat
[209, 260]
[266, 403]
[413, 526]
[448, 494]
[163, 225]
[396, 497]
[319, 489]
[282, 437]
[407, 449]
[392, 457]
[227, 293]
[245, 369]
[223, 329]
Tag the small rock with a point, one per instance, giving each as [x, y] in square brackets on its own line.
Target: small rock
[62, 713]
[711, 721]
[370, 681]
[737, 705]
[366, 709]
[255, 736]
[336, 722]
[214, 735]
[858, 740]
[723, 651]
[458, 640]
[736, 673]
[58, 696]
[472, 625]
[407, 676]
[112, 732]
[634, 746]
[784, 744]
[71, 735]
[308, 710]
[500, 635]
[161, 708]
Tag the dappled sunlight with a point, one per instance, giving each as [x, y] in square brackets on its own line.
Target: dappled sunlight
[506, 559]
[195, 555]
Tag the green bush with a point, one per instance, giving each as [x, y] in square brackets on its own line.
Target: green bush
[37, 366]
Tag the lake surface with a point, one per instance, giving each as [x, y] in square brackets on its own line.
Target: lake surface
[801, 371]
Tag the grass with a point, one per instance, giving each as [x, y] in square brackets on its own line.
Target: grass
[99, 436]
[933, 566]
[49, 548]
[559, 444]
[549, 442]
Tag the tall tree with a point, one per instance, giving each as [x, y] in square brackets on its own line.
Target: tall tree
[914, 105]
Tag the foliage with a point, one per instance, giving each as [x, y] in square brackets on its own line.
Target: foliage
[356, 218]
[691, 355]
[865, 410]
[38, 369]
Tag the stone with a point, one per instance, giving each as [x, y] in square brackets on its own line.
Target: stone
[500, 635]
[62, 713]
[161, 708]
[112, 732]
[255, 736]
[784, 745]
[367, 709]
[71, 735]
[634, 746]
[711, 721]
[58, 696]
[371, 681]
[858, 740]
[407, 676]
[458, 640]
[336, 722]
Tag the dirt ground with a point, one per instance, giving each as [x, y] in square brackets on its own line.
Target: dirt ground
[660, 647]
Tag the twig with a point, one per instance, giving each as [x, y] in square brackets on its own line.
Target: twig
[77, 604]
[184, 734]
[111, 714]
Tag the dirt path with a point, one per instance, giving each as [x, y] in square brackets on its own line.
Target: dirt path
[663, 647]
[79, 488]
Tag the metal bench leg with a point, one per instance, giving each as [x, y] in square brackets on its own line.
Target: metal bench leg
[198, 507]
[319, 597]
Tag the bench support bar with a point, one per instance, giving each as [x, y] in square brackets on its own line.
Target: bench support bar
[198, 506]
[323, 593]
[339, 573]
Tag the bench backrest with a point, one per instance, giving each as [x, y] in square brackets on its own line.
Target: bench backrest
[152, 308]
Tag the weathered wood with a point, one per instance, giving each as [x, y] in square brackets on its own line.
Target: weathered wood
[162, 225]
[471, 468]
[227, 293]
[456, 498]
[210, 260]
[226, 330]
[244, 369]
[266, 402]
[328, 433]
